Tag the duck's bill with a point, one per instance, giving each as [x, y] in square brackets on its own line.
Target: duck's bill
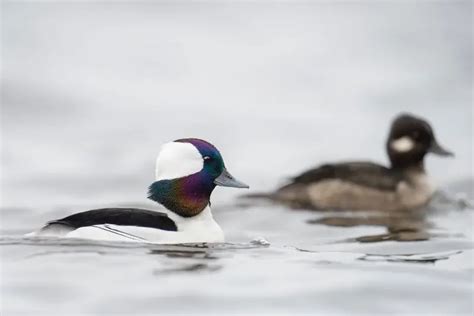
[227, 180]
[438, 150]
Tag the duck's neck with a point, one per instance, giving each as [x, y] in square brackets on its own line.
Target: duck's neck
[187, 196]
[413, 160]
[409, 167]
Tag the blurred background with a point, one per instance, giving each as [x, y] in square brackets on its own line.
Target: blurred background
[91, 90]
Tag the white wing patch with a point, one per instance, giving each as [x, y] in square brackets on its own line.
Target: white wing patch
[402, 144]
[177, 160]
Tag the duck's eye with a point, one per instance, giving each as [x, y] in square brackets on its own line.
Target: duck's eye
[416, 135]
[207, 158]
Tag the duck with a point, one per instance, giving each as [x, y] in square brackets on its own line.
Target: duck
[364, 185]
[187, 172]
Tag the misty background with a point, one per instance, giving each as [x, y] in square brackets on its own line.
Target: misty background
[91, 90]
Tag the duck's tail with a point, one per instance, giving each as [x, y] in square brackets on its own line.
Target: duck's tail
[52, 229]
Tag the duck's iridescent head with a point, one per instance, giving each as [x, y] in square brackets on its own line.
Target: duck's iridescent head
[187, 171]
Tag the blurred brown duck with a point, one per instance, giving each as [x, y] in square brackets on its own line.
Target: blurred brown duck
[404, 185]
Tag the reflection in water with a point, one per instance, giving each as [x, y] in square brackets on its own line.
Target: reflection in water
[401, 226]
[200, 257]
[184, 258]
[184, 253]
[195, 267]
[414, 258]
[66, 252]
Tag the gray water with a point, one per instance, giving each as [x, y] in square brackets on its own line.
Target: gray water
[91, 90]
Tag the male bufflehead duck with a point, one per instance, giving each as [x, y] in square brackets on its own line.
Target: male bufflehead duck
[369, 186]
[187, 171]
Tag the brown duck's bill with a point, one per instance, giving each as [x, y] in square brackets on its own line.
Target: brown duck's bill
[227, 180]
[436, 149]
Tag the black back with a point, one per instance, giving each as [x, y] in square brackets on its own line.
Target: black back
[362, 173]
[119, 216]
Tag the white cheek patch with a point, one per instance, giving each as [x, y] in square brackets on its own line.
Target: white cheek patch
[402, 144]
[177, 160]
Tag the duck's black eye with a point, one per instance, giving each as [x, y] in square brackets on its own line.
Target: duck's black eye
[207, 158]
[416, 135]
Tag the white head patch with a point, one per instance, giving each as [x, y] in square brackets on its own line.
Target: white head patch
[402, 144]
[177, 160]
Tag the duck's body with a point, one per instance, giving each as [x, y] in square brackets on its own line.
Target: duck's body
[187, 172]
[98, 220]
[404, 185]
[132, 224]
[358, 185]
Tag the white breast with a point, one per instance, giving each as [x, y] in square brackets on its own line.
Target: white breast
[417, 191]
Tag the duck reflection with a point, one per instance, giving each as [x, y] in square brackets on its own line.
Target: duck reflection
[197, 258]
[408, 225]
[194, 258]
[401, 226]
[185, 253]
